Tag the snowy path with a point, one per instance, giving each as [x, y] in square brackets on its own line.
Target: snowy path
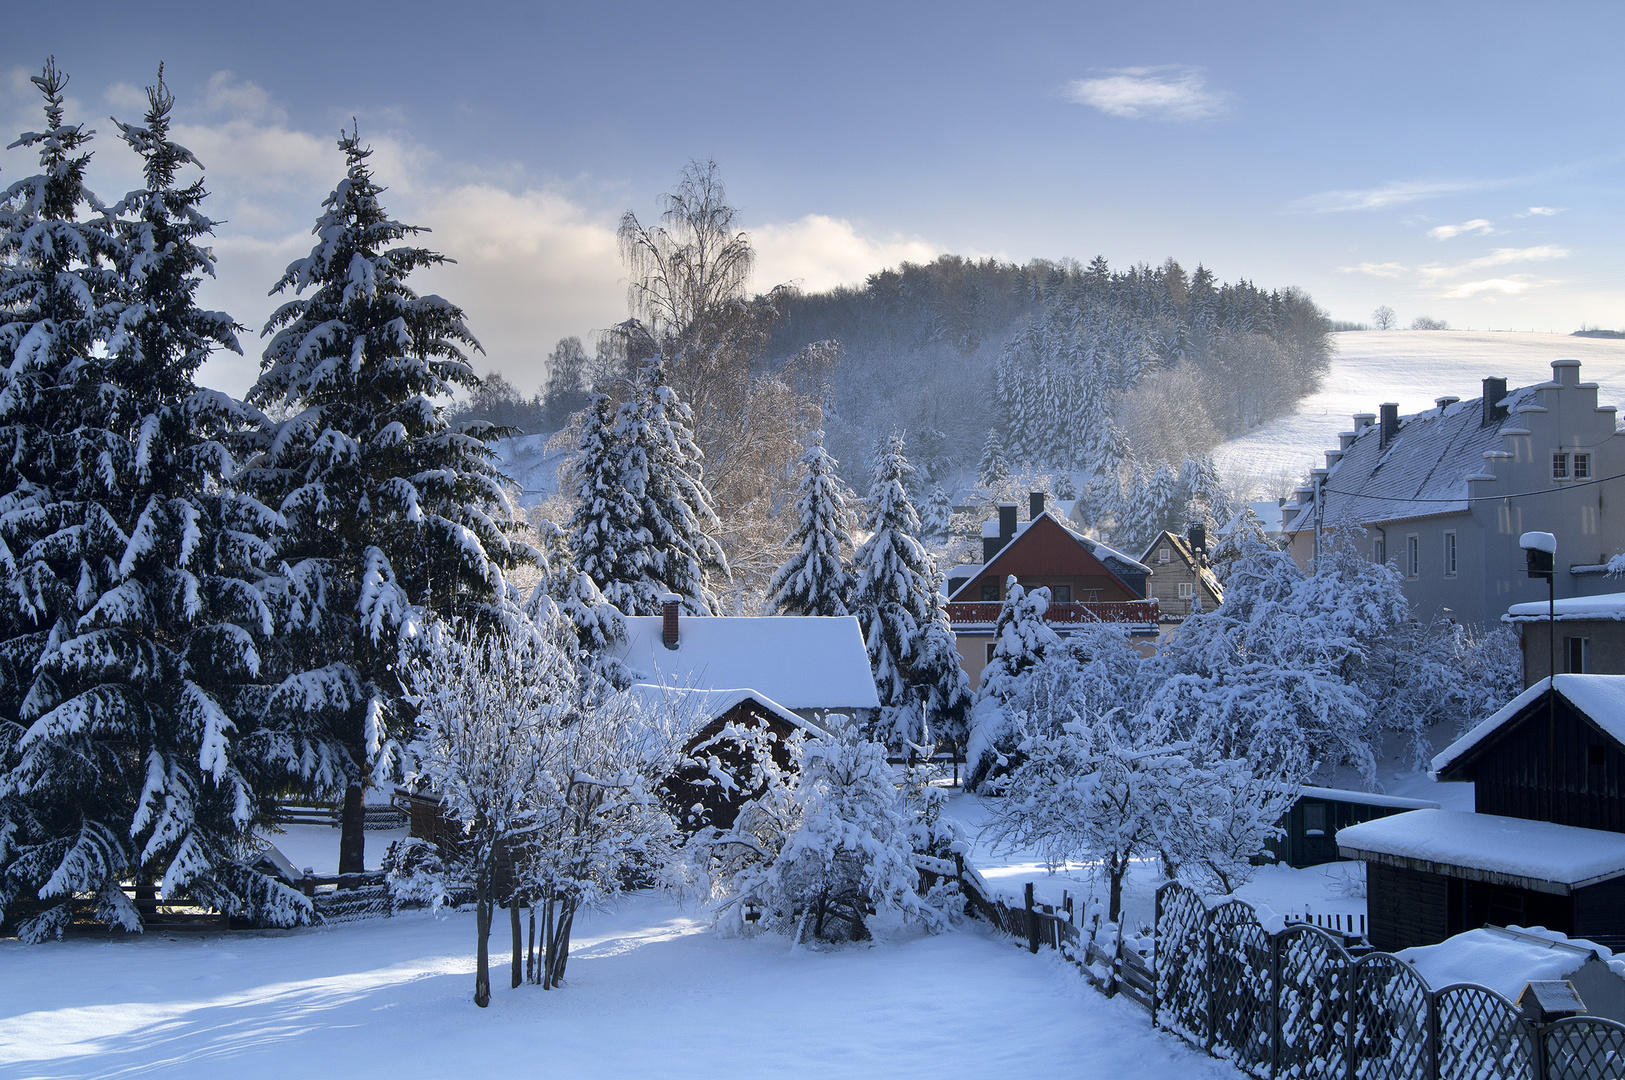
[651, 993]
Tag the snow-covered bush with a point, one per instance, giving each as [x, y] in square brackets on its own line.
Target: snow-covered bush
[1021, 641]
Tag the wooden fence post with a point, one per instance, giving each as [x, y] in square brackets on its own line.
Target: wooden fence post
[1032, 921]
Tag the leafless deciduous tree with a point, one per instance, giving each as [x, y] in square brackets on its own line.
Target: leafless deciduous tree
[1384, 318]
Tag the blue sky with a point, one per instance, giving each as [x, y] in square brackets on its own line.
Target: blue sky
[1461, 161]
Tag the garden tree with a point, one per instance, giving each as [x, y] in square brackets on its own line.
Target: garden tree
[816, 579]
[1226, 814]
[851, 852]
[939, 673]
[687, 295]
[993, 471]
[391, 515]
[130, 742]
[896, 601]
[936, 516]
[642, 519]
[1021, 640]
[598, 624]
[1092, 787]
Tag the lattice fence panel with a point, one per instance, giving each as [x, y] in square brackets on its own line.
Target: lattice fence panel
[1313, 1032]
[1181, 960]
[1241, 985]
[1585, 1049]
[1389, 1013]
[1481, 1036]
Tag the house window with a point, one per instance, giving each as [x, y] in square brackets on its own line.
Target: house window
[1578, 651]
[1560, 466]
[1582, 466]
[1061, 594]
[1164, 555]
[1379, 551]
[990, 590]
[990, 652]
[1314, 819]
[1413, 555]
[1450, 554]
[1187, 589]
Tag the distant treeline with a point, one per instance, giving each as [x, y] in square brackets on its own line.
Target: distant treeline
[1076, 366]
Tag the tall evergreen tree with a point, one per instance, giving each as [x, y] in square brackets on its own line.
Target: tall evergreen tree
[936, 516]
[993, 471]
[815, 579]
[389, 511]
[606, 538]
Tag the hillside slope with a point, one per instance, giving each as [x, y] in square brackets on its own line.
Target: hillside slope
[1411, 367]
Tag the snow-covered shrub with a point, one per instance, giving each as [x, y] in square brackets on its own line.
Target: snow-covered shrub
[416, 874]
[1021, 640]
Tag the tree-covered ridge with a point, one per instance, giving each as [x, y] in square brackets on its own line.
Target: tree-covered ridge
[1045, 350]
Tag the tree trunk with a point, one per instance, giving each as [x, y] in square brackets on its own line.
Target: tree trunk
[550, 947]
[530, 949]
[482, 962]
[1117, 869]
[352, 832]
[567, 918]
[518, 942]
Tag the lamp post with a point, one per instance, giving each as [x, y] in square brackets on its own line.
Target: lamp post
[1540, 554]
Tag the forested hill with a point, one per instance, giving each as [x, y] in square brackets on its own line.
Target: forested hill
[1079, 368]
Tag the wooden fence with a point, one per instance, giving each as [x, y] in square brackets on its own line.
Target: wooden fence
[1300, 1005]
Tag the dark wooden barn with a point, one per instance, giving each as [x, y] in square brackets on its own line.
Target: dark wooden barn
[1311, 826]
[1546, 845]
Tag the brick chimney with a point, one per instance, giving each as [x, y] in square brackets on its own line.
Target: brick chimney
[668, 619]
[1390, 422]
[1035, 505]
[1494, 391]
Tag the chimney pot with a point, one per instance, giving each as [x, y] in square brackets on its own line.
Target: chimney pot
[1566, 372]
[1035, 505]
[668, 619]
[1494, 391]
[1390, 422]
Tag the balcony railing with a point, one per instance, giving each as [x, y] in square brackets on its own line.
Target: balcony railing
[965, 613]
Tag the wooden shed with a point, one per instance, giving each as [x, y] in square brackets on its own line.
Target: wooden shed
[1546, 845]
[1311, 825]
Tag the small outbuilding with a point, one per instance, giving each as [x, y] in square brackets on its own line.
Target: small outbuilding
[1508, 959]
[1310, 828]
[1546, 845]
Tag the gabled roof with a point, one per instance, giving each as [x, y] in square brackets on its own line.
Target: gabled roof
[798, 661]
[1422, 471]
[692, 709]
[1599, 698]
[1182, 548]
[1115, 562]
[1573, 608]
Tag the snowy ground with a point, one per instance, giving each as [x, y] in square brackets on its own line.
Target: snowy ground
[1319, 889]
[316, 847]
[650, 992]
[1412, 367]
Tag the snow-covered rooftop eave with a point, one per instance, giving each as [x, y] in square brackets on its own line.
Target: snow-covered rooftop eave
[1538, 855]
[1604, 606]
[1599, 697]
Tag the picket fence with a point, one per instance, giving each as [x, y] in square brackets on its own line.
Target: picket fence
[1299, 1004]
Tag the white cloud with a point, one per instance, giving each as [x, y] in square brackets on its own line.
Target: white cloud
[1387, 269]
[1541, 211]
[1507, 286]
[1498, 257]
[1446, 232]
[1168, 92]
[820, 252]
[1393, 193]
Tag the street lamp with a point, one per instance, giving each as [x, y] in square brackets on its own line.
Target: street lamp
[1540, 553]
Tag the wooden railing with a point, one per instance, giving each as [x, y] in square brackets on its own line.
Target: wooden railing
[1075, 613]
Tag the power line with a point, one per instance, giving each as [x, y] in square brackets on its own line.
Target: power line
[1476, 498]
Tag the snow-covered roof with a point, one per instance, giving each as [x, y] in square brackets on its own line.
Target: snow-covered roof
[1422, 471]
[798, 661]
[692, 709]
[1601, 698]
[1537, 854]
[1111, 558]
[1605, 606]
[1365, 798]
[1505, 960]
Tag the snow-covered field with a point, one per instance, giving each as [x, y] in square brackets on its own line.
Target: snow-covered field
[1412, 367]
[650, 992]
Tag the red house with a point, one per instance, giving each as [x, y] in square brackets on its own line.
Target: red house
[1089, 583]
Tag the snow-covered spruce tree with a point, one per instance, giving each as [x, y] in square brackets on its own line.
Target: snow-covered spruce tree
[939, 674]
[816, 580]
[127, 723]
[892, 597]
[641, 526]
[993, 471]
[1021, 640]
[936, 516]
[598, 624]
[390, 514]
[851, 853]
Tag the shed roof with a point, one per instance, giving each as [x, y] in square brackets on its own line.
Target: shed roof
[798, 661]
[1600, 698]
[1504, 960]
[1569, 609]
[1538, 855]
[1422, 471]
